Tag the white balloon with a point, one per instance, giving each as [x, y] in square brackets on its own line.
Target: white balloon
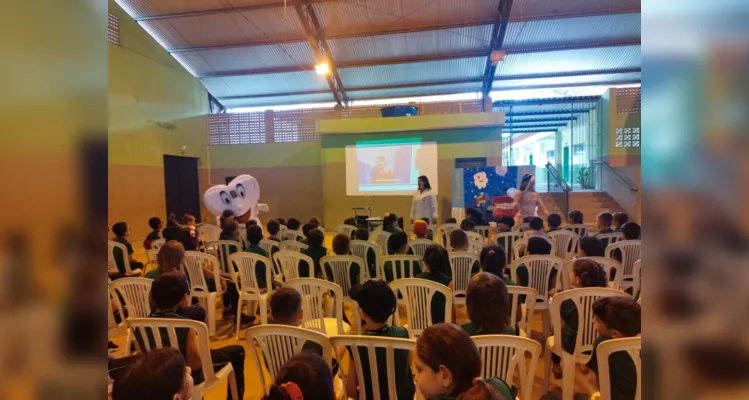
[511, 192]
[501, 171]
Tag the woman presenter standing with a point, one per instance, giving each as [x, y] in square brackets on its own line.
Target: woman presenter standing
[424, 204]
[527, 201]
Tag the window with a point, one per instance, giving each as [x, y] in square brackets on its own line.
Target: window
[627, 137]
[247, 128]
[113, 30]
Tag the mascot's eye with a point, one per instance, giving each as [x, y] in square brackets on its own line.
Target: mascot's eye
[240, 190]
[225, 197]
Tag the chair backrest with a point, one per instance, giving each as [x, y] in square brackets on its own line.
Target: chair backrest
[345, 229]
[279, 343]
[156, 244]
[461, 264]
[633, 346]
[610, 238]
[292, 245]
[223, 249]
[209, 232]
[194, 262]
[607, 264]
[586, 331]
[475, 247]
[524, 322]
[420, 246]
[267, 245]
[475, 236]
[630, 250]
[152, 256]
[123, 251]
[245, 276]
[135, 292]
[581, 230]
[636, 279]
[518, 247]
[521, 227]
[566, 243]
[380, 238]
[539, 272]
[418, 294]
[340, 266]
[360, 248]
[288, 234]
[500, 355]
[506, 240]
[164, 334]
[484, 231]
[357, 345]
[287, 264]
[312, 291]
[446, 230]
[402, 264]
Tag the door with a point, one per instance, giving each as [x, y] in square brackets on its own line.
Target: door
[181, 186]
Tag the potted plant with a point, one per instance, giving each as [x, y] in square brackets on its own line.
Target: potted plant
[583, 177]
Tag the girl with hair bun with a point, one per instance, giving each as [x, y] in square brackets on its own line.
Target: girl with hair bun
[304, 376]
[448, 366]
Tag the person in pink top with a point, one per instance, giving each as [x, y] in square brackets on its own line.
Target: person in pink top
[527, 201]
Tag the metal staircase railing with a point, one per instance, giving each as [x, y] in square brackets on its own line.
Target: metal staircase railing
[554, 178]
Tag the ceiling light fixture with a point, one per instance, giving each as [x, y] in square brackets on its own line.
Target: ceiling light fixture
[322, 68]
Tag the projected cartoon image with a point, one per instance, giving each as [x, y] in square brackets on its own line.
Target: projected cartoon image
[384, 164]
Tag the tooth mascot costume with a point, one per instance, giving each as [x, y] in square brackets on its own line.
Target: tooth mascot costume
[240, 196]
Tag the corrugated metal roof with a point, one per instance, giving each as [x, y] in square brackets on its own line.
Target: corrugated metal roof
[145, 8]
[561, 61]
[538, 118]
[594, 79]
[561, 108]
[525, 9]
[415, 91]
[364, 16]
[414, 44]
[549, 33]
[247, 85]
[249, 58]
[235, 28]
[418, 72]
[279, 100]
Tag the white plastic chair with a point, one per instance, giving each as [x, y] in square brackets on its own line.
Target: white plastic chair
[519, 246]
[501, 355]
[135, 294]
[610, 238]
[152, 256]
[125, 259]
[563, 277]
[475, 236]
[267, 245]
[313, 316]
[484, 231]
[287, 264]
[566, 243]
[345, 229]
[156, 244]
[461, 264]
[506, 240]
[521, 227]
[292, 245]
[525, 320]
[417, 296]
[278, 344]
[360, 248]
[223, 248]
[380, 238]
[630, 250]
[581, 230]
[245, 278]
[445, 230]
[288, 234]
[403, 266]
[341, 266]
[209, 232]
[356, 345]
[164, 333]
[420, 246]
[475, 246]
[586, 334]
[194, 262]
[632, 346]
[636, 279]
[539, 269]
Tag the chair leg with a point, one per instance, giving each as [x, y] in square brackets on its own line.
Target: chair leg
[568, 376]
[128, 342]
[547, 369]
[263, 311]
[233, 386]
[239, 314]
[546, 323]
[211, 313]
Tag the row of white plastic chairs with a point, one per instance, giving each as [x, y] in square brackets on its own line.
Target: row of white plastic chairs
[418, 294]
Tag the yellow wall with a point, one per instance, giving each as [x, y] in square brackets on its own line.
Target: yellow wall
[155, 108]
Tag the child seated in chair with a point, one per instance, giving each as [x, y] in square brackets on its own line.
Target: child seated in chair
[316, 251]
[286, 309]
[390, 223]
[535, 228]
[575, 217]
[351, 222]
[342, 247]
[494, 261]
[459, 242]
[159, 374]
[306, 229]
[254, 236]
[619, 218]
[584, 273]
[615, 318]
[230, 231]
[168, 293]
[437, 265]
[156, 226]
[273, 227]
[467, 225]
[536, 246]
[293, 225]
[505, 224]
[121, 233]
[377, 304]
[304, 376]
[604, 221]
[421, 230]
[554, 221]
[363, 235]
[398, 245]
[630, 231]
[488, 306]
[450, 220]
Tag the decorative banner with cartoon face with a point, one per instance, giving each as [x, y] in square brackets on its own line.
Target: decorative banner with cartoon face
[240, 196]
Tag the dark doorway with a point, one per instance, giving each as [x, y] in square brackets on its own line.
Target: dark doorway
[181, 186]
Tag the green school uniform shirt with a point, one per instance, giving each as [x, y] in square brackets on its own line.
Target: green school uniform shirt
[390, 275]
[260, 266]
[603, 232]
[118, 256]
[570, 317]
[403, 377]
[471, 329]
[316, 253]
[500, 387]
[438, 300]
[393, 229]
[622, 371]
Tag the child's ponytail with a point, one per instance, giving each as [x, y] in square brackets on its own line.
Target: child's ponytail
[284, 391]
[479, 390]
